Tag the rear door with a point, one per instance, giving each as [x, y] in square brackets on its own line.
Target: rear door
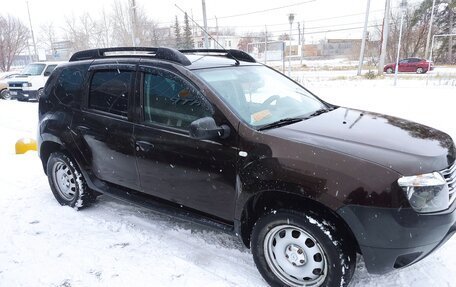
[414, 64]
[106, 127]
[199, 174]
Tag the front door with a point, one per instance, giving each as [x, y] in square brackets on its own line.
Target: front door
[199, 174]
[404, 66]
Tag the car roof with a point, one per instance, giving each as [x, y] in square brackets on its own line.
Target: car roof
[188, 58]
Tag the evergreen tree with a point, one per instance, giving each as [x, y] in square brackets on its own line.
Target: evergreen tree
[177, 34]
[188, 35]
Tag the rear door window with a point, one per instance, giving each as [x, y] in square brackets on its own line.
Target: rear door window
[110, 90]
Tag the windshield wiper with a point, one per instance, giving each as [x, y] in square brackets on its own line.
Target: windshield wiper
[318, 112]
[281, 122]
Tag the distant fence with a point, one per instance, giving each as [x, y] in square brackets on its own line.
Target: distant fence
[273, 51]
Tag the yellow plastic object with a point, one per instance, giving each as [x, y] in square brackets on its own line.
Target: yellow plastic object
[24, 145]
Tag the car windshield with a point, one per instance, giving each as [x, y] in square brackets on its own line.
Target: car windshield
[33, 69]
[260, 95]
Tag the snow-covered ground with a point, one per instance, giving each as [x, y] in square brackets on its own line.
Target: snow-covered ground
[117, 244]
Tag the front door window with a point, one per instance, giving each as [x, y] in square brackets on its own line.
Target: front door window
[169, 101]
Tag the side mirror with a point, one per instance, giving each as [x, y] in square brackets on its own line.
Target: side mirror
[206, 128]
[47, 74]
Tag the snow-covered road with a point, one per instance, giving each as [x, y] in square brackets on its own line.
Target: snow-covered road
[117, 244]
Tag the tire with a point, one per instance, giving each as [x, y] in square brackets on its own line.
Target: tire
[5, 95]
[420, 71]
[389, 71]
[67, 183]
[301, 249]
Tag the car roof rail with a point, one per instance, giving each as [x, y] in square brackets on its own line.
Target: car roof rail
[162, 53]
[229, 53]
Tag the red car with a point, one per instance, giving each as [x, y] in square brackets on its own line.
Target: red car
[417, 65]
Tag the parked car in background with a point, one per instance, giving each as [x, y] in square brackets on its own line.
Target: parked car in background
[30, 83]
[417, 65]
[4, 77]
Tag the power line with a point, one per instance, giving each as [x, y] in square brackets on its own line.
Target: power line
[332, 30]
[265, 10]
[249, 13]
[307, 28]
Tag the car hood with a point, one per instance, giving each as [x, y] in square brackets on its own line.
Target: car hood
[401, 145]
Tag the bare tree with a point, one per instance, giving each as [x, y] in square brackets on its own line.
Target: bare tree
[83, 32]
[121, 23]
[46, 36]
[284, 37]
[14, 37]
[105, 28]
[244, 42]
[145, 29]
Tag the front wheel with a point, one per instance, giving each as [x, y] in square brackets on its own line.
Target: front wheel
[300, 249]
[5, 95]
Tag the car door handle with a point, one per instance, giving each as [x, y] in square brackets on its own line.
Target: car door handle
[82, 128]
[144, 146]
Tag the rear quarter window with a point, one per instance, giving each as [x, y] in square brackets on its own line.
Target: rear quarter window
[70, 83]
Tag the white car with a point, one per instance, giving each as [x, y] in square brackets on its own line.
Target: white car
[30, 83]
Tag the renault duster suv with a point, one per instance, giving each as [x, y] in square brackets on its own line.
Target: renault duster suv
[214, 137]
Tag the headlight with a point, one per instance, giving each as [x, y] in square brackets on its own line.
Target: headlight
[427, 192]
[26, 84]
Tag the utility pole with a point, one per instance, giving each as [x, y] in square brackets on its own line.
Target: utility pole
[363, 41]
[265, 44]
[403, 7]
[431, 21]
[290, 20]
[216, 30]
[302, 43]
[450, 40]
[206, 40]
[381, 62]
[31, 31]
[133, 22]
[299, 33]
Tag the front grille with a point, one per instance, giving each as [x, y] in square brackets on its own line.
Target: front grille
[15, 84]
[450, 176]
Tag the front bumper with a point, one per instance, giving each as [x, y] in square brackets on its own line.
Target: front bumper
[23, 95]
[392, 238]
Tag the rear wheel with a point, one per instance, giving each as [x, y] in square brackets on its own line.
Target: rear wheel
[298, 249]
[67, 183]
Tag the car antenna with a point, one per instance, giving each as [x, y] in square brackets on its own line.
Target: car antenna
[228, 53]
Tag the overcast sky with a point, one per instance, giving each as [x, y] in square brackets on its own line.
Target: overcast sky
[319, 15]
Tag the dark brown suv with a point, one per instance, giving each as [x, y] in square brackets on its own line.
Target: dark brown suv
[214, 137]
